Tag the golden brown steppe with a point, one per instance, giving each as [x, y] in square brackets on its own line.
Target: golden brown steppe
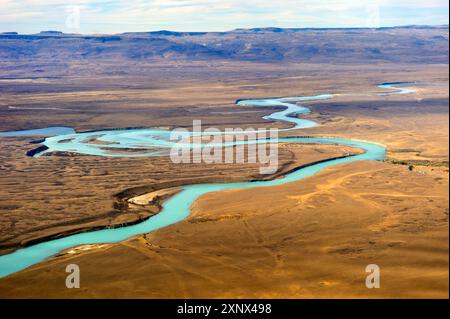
[61, 195]
[311, 238]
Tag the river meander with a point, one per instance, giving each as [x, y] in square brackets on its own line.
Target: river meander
[178, 206]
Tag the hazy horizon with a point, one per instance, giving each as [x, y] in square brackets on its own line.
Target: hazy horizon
[249, 28]
[112, 17]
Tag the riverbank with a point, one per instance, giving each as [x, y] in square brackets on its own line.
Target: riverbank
[122, 214]
[361, 120]
[314, 240]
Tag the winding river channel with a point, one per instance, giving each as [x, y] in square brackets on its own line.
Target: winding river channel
[178, 206]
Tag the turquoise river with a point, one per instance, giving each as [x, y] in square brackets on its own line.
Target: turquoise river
[178, 206]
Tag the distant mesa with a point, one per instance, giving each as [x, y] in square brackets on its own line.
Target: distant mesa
[419, 27]
[167, 33]
[52, 32]
[271, 29]
[9, 33]
[406, 44]
[175, 33]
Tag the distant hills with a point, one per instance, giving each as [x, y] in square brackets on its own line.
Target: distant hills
[407, 44]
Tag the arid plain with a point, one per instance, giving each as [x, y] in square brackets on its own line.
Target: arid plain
[307, 239]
